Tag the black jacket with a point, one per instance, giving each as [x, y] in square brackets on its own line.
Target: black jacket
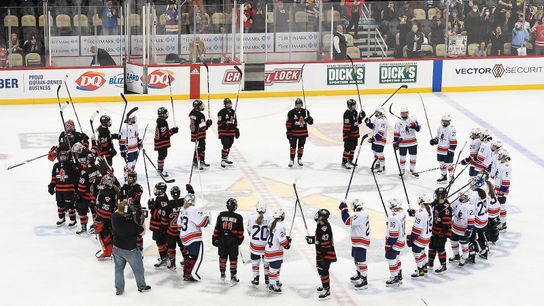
[104, 58]
[125, 232]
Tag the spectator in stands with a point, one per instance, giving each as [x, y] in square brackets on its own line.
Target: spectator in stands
[406, 11]
[339, 43]
[456, 5]
[171, 26]
[497, 41]
[455, 25]
[281, 17]
[109, 19]
[15, 44]
[531, 15]
[414, 40]
[520, 38]
[487, 25]
[33, 46]
[4, 62]
[312, 10]
[353, 12]
[248, 16]
[506, 20]
[390, 12]
[538, 30]
[481, 50]
[473, 22]
[404, 28]
[101, 57]
[438, 28]
[259, 20]
[202, 21]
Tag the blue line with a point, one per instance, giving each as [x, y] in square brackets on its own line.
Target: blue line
[437, 75]
[505, 138]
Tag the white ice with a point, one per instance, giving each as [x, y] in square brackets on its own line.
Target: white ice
[43, 265]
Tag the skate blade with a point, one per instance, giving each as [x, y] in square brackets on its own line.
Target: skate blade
[360, 288]
[393, 285]
[324, 299]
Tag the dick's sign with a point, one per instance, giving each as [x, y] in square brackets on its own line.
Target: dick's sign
[343, 74]
[398, 73]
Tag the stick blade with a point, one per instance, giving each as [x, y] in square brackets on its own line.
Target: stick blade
[206, 65]
[404, 86]
[124, 99]
[238, 69]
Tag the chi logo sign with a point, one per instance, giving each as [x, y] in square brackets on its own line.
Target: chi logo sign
[343, 74]
[398, 73]
[90, 81]
[282, 76]
[158, 79]
[231, 76]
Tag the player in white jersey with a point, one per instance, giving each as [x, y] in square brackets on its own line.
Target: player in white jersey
[462, 228]
[395, 241]
[420, 237]
[496, 146]
[191, 220]
[478, 199]
[273, 252]
[474, 147]
[484, 157]
[405, 140]
[360, 239]
[502, 185]
[493, 212]
[129, 142]
[378, 140]
[257, 228]
[446, 139]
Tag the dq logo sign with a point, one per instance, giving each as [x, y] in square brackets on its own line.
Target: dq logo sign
[158, 79]
[90, 81]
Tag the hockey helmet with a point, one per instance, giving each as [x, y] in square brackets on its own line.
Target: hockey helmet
[298, 101]
[351, 103]
[160, 188]
[107, 181]
[395, 203]
[404, 109]
[496, 145]
[379, 111]
[261, 207]
[357, 204]
[322, 215]
[162, 112]
[232, 204]
[129, 173]
[70, 126]
[504, 155]
[424, 198]
[440, 193]
[463, 197]
[63, 153]
[477, 182]
[190, 199]
[446, 117]
[475, 133]
[105, 120]
[227, 101]
[175, 192]
[279, 214]
[197, 103]
[485, 135]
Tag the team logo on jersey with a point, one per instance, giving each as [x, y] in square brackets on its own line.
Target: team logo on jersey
[90, 81]
[282, 76]
[231, 76]
[343, 74]
[398, 73]
[158, 79]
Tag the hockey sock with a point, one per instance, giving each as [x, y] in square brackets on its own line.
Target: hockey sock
[345, 157]
[233, 267]
[455, 247]
[300, 152]
[60, 212]
[72, 214]
[442, 257]
[163, 249]
[224, 153]
[464, 250]
[83, 219]
[420, 258]
[381, 158]
[325, 281]
[402, 161]
[443, 168]
[432, 255]
[503, 213]
[393, 267]
[266, 269]
[222, 264]
[201, 156]
[172, 255]
[413, 160]
[361, 268]
[160, 164]
[273, 276]
[351, 154]
[92, 208]
[255, 265]
[399, 264]
[292, 153]
[450, 170]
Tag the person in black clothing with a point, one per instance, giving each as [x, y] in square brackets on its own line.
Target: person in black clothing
[339, 43]
[101, 57]
[497, 41]
[324, 250]
[73, 136]
[106, 205]
[63, 181]
[297, 130]
[162, 138]
[157, 208]
[199, 125]
[131, 191]
[414, 40]
[126, 228]
[103, 144]
[227, 128]
[227, 237]
[441, 229]
[350, 132]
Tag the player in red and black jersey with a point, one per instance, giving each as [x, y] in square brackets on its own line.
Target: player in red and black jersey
[64, 178]
[73, 136]
[297, 130]
[227, 127]
[132, 193]
[157, 209]
[227, 236]
[170, 218]
[162, 138]
[350, 132]
[199, 125]
[441, 229]
[86, 188]
[106, 204]
[103, 144]
[324, 250]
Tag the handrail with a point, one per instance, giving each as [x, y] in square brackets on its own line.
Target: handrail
[379, 34]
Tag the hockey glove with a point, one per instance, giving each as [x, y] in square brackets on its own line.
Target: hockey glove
[115, 136]
[151, 204]
[288, 246]
[174, 130]
[215, 242]
[237, 133]
[51, 189]
[411, 212]
[189, 189]
[209, 122]
[434, 141]
[362, 115]
[310, 120]
[52, 155]
[396, 145]
[343, 206]
[371, 140]
[310, 239]
[465, 161]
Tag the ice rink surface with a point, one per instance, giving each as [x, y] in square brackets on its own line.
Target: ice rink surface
[46, 265]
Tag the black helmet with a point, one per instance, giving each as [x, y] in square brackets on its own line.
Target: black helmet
[322, 214]
[299, 101]
[132, 174]
[160, 188]
[351, 102]
[232, 204]
[440, 193]
[197, 103]
[105, 119]
[175, 192]
[91, 158]
[162, 112]
[62, 152]
[226, 101]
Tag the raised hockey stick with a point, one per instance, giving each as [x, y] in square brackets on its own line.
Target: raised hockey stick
[168, 181]
[61, 110]
[172, 99]
[456, 191]
[356, 82]
[303, 91]
[139, 149]
[208, 85]
[452, 181]
[91, 121]
[455, 166]
[147, 177]
[293, 219]
[27, 161]
[378, 186]
[391, 111]
[124, 110]
[426, 116]
[192, 163]
[301, 211]
[391, 96]
[402, 178]
[239, 88]
[365, 136]
[72, 102]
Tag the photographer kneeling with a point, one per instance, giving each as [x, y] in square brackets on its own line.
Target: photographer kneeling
[127, 223]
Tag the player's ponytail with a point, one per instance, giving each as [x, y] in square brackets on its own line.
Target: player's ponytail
[260, 219]
[427, 208]
[273, 225]
[481, 193]
[491, 189]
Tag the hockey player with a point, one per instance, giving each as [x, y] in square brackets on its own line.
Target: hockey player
[496, 146]
[446, 139]
[360, 239]
[405, 140]
[484, 156]
[378, 140]
[129, 143]
[199, 125]
[191, 221]
[502, 185]
[350, 132]
[103, 144]
[227, 237]
[493, 213]
[227, 127]
[395, 241]
[479, 201]
[474, 147]
[324, 250]
[172, 233]
[462, 227]
[86, 189]
[257, 228]
[63, 181]
[73, 136]
[131, 192]
[419, 239]
[106, 204]
[157, 210]
[441, 229]
[162, 138]
[296, 124]
[273, 253]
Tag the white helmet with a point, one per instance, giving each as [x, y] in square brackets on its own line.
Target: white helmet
[380, 111]
[395, 203]
[404, 109]
[504, 155]
[475, 132]
[463, 197]
[260, 207]
[190, 199]
[446, 117]
[77, 147]
[279, 214]
[357, 204]
[485, 135]
[496, 145]
[424, 198]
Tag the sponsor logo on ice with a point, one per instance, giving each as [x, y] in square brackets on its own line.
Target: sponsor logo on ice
[90, 81]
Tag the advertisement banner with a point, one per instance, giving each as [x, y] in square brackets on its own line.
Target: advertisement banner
[134, 77]
[398, 73]
[297, 41]
[113, 44]
[157, 80]
[457, 45]
[64, 46]
[343, 74]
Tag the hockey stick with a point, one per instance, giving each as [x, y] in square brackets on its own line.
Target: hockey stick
[27, 161]
[192, 163]
[426, 117]
[61, 110]
[93, 116]
[147, 177]
[124, 110]
[356, 83]
[72, 102]
[377, 186]
[428, 170]
[293, 220]
[456, 191]
[391, 111]
[171, 99]
[301, 211]
[391, 96]
[452, 181]
[303, 91]
[355, 166]
[402, 178]
[239, 87]
[208, 83]
[139, 149]
[456, 163]
[168, 181]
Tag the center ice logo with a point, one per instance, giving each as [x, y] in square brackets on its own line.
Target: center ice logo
[90, 81]
[158, 79]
